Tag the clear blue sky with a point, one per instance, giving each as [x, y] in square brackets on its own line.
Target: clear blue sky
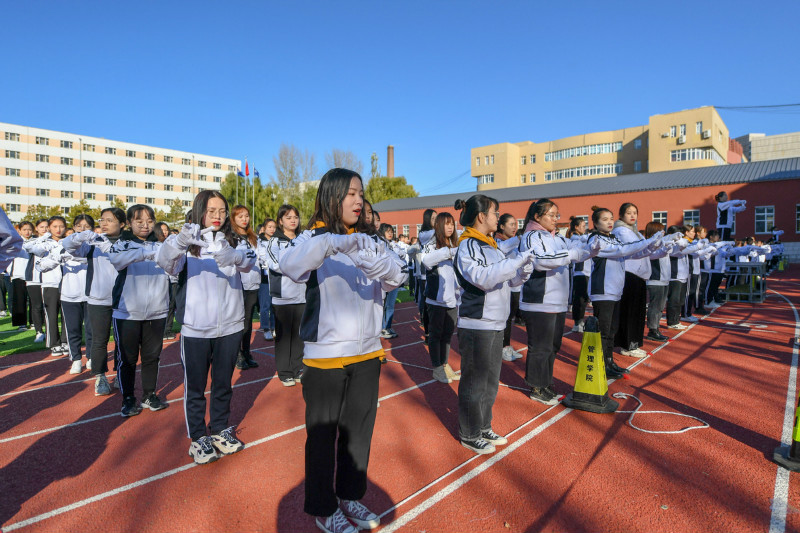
[434, 79]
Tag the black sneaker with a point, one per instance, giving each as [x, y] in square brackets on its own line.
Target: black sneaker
[656, 336]
[251, 363]
[241, 363]
[130, 407]
[621, 370]
[542, 395]
[612, 373]
[493, 438]
[552, 391]
[153, 402]
[479, 446]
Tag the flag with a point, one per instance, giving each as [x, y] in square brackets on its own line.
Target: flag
[255, 173]
[246, 168]
[240, 173]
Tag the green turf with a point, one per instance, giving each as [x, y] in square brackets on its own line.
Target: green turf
[404, 296]
[14, 341]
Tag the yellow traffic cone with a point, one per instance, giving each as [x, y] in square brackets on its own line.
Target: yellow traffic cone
[591, 388]
[789, 458]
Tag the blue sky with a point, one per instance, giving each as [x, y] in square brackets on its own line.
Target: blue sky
[434, 79]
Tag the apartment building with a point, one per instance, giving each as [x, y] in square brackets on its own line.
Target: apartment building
[54, 168]
[674, 141]
[761, 147]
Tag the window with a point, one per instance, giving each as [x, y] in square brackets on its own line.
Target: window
[419, 228]
[42, 140]
[89, 179]
[131, 184]
[522, 178]
[690, 154]
[151, 157]
[660, 216]
[66, 160]
[637, 143]
[130, 199]
[217, 166]
[186, 175]
[477, 161]
[491, 158]
[405, 226]
[66, 144]
[486, 160]
[167, 159]
[765, 219]
[42, 175]
[43, 158]
[10, 189]
[65, 211]
[13, 208]
[12, 136]
[130, 168]
[592, 170]
[217, 179]
[691, 217]
[520, 223]
[169, 188]
[186, 203]
[578, 151]
[797, 218]
[394, 230]
[523, 160]
[150, 171]
[186, 161]
[231, 168]
[186, 189]
[683, 129]
[66, 177]
[486, 178]
[201, 177]
[111, 166]
[109, 197]
[42, 192]
[88, 164]
[698, 127]
[533, 159]
[13, 172]
[111, 182]
[88, 196]
[111, 151]
[201, 164]
[150, 186]
[88, 147]
[66, 194]
[130, 153]
[533, 177]
[168, 173]
[637, 166]
[12, 154]
[149, 200]
[672, 131]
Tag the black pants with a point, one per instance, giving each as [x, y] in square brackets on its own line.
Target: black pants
[607, 313]
[198, 356]
[288, 344]
[5, 292]
[545, 331]
[341, 404]
[76, 319]
[632, 313]
[511, 316]
[675, 298]
[51, 297]
[100, 325]
[713, 286]
[173, 293]
[423, 310]
[250, 302]
[441, 325]
[580, 297]
[658, 297]
[690, 302]
[19, 303]
[36, 307]
[702, 290]
[724, 234]
[135, 339]
[481, 360]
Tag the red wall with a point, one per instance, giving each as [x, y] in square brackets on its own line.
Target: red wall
[782, 195]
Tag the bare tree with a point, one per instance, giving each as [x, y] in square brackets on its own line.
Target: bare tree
[287, 168]
[308, 166]
[344, 159]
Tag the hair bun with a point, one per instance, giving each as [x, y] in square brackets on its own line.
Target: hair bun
[459, 205]
[595, 208]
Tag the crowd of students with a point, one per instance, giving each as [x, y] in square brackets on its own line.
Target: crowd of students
[327, 294]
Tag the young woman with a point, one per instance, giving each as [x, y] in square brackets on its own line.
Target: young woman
[507, 241]
[633, 304]
[386, 232]
[726, 209]
[266, 316]
[545, 295]
[694, 300]
[347, 273]
[33, 281]
[712, 269]
[608, 279]
[425, 234]
[485, 276]
[208, 259]
[140, 304]
[16, 270]
[657, 283]
[251, 281]
[441, 287]
[580, 275]
[101, 276]
[288, 300]
[679, 274]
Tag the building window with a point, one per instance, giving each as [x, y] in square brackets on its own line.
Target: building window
[186, 203]
[111, 151]
[65, 211]
[637, 143]
[698, 127]
[533, 159]
[578, 172]
[42, 175]
[11, 189]
[13, 172]
[88, 164]
[131, 184]
[130, 199]
[150, 186]
[109, 197]
[66, 177]
[42, 158]
[12, 154]
[637, 166]
[797, 218]
[66, 144]
[167, 159]
[150, 157]
[130, 168]
[660, 216]
[87, 147]
[478, 161]
[231, 168]
[168, 188]
[419, 228]
[12, 136]
[150, 171]
[765, 219]
[672, 131]
[42, 192]
[578, 151]
[523, 160]
[683, 129]
[168, 173]
[691, 217]
[111, 182]
[186, 161]
[66, 160]
[149, 200]
[89, 179]
[491, 158]
[66, 194]
[486, 160]
[522, 178]
[88, 196]
[111, 166]
[217, 166]
[186, 189]
[130, 153]
[217, 179]
[405, 226]
[186, 175]
[13, 208]
[486, 178]
[42, 140]
[201, 177]
[201, 164]
[520, 223]
[691, 154]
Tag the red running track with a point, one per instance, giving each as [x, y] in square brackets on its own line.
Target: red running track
[70, 462]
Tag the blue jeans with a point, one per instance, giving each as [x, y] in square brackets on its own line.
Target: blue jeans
[481, 360]
[388, 308]
[265, 307]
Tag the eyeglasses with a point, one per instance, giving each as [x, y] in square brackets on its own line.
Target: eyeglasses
[557, 216]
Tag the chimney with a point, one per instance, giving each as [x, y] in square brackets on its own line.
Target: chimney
[390, 161]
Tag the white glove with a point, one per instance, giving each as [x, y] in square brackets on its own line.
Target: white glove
[371, 263]
[191, 234]
[453, 252]
[527, 269]
[594, 247]
[348, 244]
[44, 237]
[672, 237]
[84, 236]
[229, 256]
[149, 253]
[655, 244]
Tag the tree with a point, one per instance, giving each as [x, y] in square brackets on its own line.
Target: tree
[176, 215]
[308, 167]
[375, 169]
[35, 212]
[83, 208]
[233, 189]
[344, 159]
[383, 188]
[287, 169]
[119, 203]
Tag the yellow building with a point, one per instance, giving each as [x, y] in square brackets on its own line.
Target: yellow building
[673, 141]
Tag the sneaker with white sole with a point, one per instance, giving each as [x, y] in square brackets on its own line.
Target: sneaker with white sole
[288, 382]
[479, 446]
[494, 438]
[101, 386]
[39, 338]
[226, 442]
[637, 352]
[360, 515]
[336, 523]
[440, 375]
[542, 395]
[76, 367]
[202, 451]
[508, 353]
[677, 326]
[268, 336]
[451, 373]
[3, 314]
[690, 319]
[515, 354]
[578, 327]
[153, 402]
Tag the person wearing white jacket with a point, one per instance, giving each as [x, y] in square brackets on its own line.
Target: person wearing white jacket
[208, 259]
[485, 277]
[16, 270]
[347, 273]
[679, 276]
[251, 282]
[545, 295]
[726, 211]
[581, 272]
[508, 242]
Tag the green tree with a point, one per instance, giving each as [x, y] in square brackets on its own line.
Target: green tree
[35, 212]
[176, 214]
[375, 169]
[119, 203]
[383, 188]
[83, 208]
[232, 189]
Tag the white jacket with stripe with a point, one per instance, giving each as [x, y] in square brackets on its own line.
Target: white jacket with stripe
[441, 287]
[282, 289]
[141, 290]
[608, 267]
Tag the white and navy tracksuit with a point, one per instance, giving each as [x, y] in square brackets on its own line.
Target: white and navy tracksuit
[657, 284]
[50, 279]
[633, 304]
[288, 303]
[679, 278]
[210, 308]
[341, 328]
[726, 211]
[581, 271]
[441, 299]
[140, 301]
[19, 300]
[545, 298]
[251, 282]
[508, 247]
[485, 277]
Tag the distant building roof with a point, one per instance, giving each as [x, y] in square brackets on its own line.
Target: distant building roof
[779, 169]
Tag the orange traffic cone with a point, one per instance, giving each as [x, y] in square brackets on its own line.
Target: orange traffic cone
[789, 458]
[591, 388]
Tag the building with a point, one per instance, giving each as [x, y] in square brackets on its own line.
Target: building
[53, 168]
[760, 147]
[685, 139]
[670, 197]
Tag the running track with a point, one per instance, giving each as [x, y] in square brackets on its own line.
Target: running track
[69, 462]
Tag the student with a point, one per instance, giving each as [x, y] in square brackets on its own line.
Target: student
[208, 259]
[16, 270]
[485, 276]
[694, 300]
[10, 241]
[33, 282]
[712, 269]
[679, 276]
[580, 275]
[386, 232]
[657, 283]
[608, 279]
[346, 273]
[251, 281]
[162, 232]
[424, 235]
[507, 241]
[288, 300]
[726, 211]
[266, 316]
[545, 295]
[441, 287]
[140, 302]
[101, 277]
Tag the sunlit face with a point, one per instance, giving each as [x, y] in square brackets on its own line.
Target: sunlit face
[690, 233]
[581, 229]
[389, 234]
[109, 224]
[550, 219]
[605, 223]
[57, 229]
[290, 221]
[377, 222]
[269, 228]
[215, 214]
[368, 214]
[25, 231]
[81, 225]
[449, 229]
[142, 225]
[41, 228]
[509, 228]
[353, 203]
[242, 219]
[487, 222]
[702, 233]
[630, 216]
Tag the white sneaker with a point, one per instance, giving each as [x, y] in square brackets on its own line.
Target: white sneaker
[39, 337]
[440, 375]
[360, 515]
[88, 364]
[578, 327]
[508, 353]
[677, 326]
[101, 386]
[76, 367]
[268, 335]
[3, 314]
[336, 523]
[226, 442]
[202, 451]
[638, 352]
[713, 305]
[515, 354]
[691, 319]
